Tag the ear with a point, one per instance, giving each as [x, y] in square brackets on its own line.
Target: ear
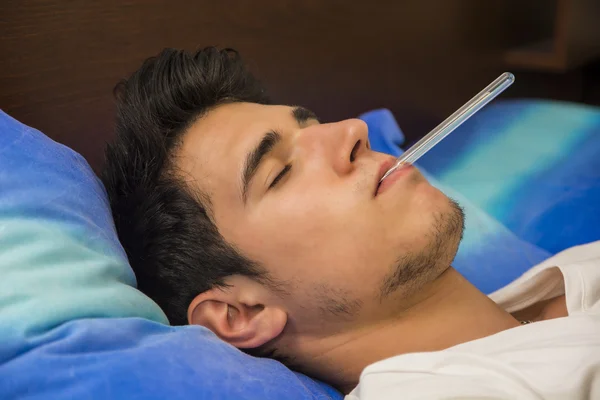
[238, 316]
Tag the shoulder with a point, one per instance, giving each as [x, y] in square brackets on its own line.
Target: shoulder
[574, 272]
[581, 272]
[441, 375]
[519, 363]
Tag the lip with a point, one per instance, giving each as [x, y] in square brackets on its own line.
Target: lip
[383, 168]
[392, 178]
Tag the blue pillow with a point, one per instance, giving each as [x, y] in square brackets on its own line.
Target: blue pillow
[72, 324]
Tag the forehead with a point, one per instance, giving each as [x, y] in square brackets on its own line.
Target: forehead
[215, 146]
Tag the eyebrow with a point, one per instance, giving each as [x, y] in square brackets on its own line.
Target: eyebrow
[255, 158]
[266, 146]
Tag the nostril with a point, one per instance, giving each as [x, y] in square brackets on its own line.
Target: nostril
[354, 151]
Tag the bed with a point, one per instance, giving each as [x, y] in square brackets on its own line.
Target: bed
[72, 323]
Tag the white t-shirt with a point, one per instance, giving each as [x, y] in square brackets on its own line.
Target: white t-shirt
[552, 359]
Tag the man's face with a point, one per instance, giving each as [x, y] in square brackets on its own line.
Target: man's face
[301, 199]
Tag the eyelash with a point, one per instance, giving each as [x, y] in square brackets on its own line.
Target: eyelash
[288, 167]
[284, 171]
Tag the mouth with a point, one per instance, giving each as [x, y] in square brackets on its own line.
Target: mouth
[381, 186]
[383, 168]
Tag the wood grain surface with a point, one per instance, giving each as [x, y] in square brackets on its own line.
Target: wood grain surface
[59, 61]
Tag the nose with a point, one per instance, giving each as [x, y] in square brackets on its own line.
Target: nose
[340, 144]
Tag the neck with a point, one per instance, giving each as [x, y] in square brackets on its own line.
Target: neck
[448, 312]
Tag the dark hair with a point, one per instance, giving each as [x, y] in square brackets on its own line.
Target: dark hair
[172, 244]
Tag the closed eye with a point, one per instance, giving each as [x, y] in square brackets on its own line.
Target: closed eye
[280, 176]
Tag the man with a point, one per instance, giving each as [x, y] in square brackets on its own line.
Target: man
[272, 230]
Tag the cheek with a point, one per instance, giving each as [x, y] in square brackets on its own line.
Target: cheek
[347, 241]
[412, 225]
[309, 240]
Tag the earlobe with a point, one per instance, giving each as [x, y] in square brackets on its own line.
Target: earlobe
[242, 325]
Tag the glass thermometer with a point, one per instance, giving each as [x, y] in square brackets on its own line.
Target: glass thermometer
[454, 121]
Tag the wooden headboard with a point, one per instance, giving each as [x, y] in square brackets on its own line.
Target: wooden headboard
[422, 59]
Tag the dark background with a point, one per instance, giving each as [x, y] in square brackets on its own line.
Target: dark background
[420, 58]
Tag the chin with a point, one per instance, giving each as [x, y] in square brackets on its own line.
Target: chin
[449, 224]
[446, 234]
[428, 259]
